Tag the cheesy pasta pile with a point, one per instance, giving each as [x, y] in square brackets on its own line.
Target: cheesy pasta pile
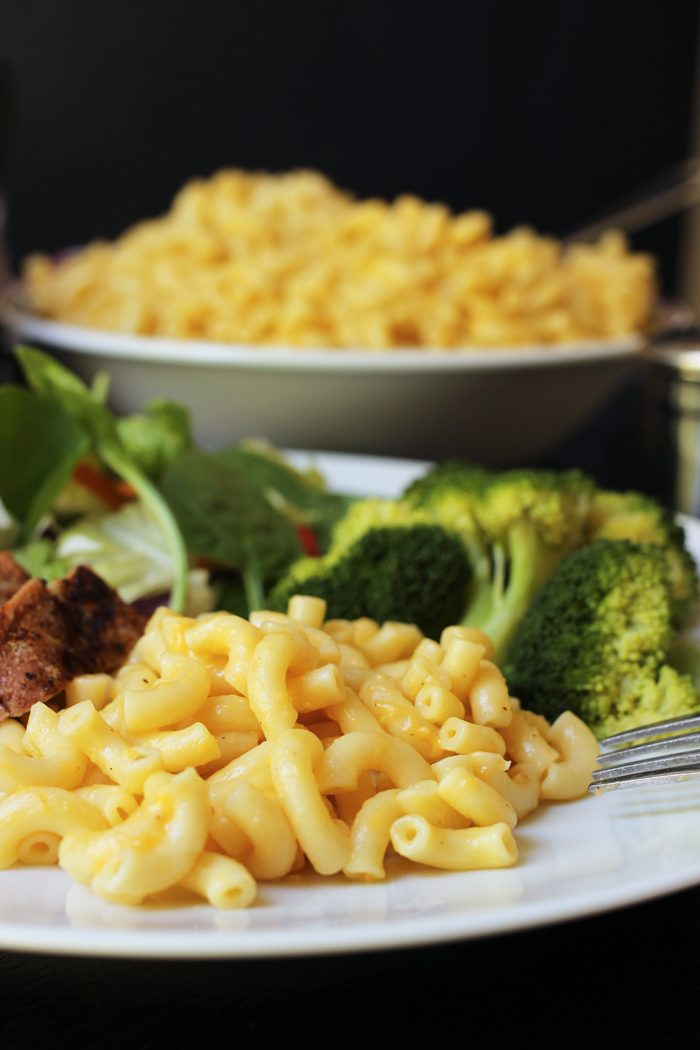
[228, 751]
[291, 260]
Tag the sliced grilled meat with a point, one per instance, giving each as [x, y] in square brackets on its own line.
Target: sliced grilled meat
[12, 576]
[106, 628]
[49, 635]
[36, 661]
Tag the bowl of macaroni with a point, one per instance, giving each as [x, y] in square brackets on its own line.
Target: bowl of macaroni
[280, 306]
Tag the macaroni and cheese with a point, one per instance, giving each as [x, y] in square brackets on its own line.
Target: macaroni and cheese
[228, 751]
[291, 260]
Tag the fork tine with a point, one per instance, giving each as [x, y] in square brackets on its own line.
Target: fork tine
[657, 764]
[666, 744]
[642, 779]
[669, 725]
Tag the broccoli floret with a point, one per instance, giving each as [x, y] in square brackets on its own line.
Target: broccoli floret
[387, 561]
[450, 490]
[595, 641]
[631, 516]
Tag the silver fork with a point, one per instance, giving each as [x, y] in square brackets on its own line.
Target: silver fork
[661, 753]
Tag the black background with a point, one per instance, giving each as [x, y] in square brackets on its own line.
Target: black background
[543, 112]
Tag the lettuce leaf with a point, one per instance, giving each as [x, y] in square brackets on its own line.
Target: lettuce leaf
[56, 385]
[39, 558]
[126, 548]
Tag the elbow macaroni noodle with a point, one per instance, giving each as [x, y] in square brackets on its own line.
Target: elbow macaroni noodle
[228, 751]
[291, 259]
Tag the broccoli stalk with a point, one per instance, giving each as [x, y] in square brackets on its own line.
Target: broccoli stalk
[386, 561]
[526, 562]
[532, 519]
[516, 527]
[595, 641]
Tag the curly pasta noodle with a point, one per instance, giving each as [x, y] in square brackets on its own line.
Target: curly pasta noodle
[143, 795]
[291, 260]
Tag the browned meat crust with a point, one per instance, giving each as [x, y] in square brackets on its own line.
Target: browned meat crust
[106, 627]
[12, 576]
[35, 655]
[49, 635]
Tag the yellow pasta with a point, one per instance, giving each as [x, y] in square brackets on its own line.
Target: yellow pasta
[399, 717]
[475, 799]
[130, 766]
[39, 810]
[438, 705]
[323, 687]
[154, 848]
[49, 758]
[181, 689]
[424, 800]
[324, 840]
[570, 775]
[370, 835]
[461, 850]
[12, 736]
[267, 683]
[304, 609]
[290, 259]
[115, 803]
[349, 756]
[525, 743]
[224, 882]
[263, 821]
[229, 751]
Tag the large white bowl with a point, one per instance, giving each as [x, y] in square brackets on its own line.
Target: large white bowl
[495, 406]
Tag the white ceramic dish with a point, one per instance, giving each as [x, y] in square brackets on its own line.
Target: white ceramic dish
[576, 859]
[496, 406]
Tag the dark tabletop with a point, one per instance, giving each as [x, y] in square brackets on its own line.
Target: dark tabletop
[621, 975]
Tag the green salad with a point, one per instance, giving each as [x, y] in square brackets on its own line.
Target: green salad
[134, 499]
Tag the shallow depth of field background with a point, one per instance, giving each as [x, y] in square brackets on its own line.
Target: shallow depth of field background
[542, 112]
[545, 113]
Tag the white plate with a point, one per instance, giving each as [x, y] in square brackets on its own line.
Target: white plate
[576, 859]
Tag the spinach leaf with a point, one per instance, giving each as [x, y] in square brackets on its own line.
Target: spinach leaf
[225, 518]
[51, 381]
[40, 444]
[302, 497]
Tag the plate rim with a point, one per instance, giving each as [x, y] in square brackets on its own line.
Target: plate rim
[109, 942]
[81, 339]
